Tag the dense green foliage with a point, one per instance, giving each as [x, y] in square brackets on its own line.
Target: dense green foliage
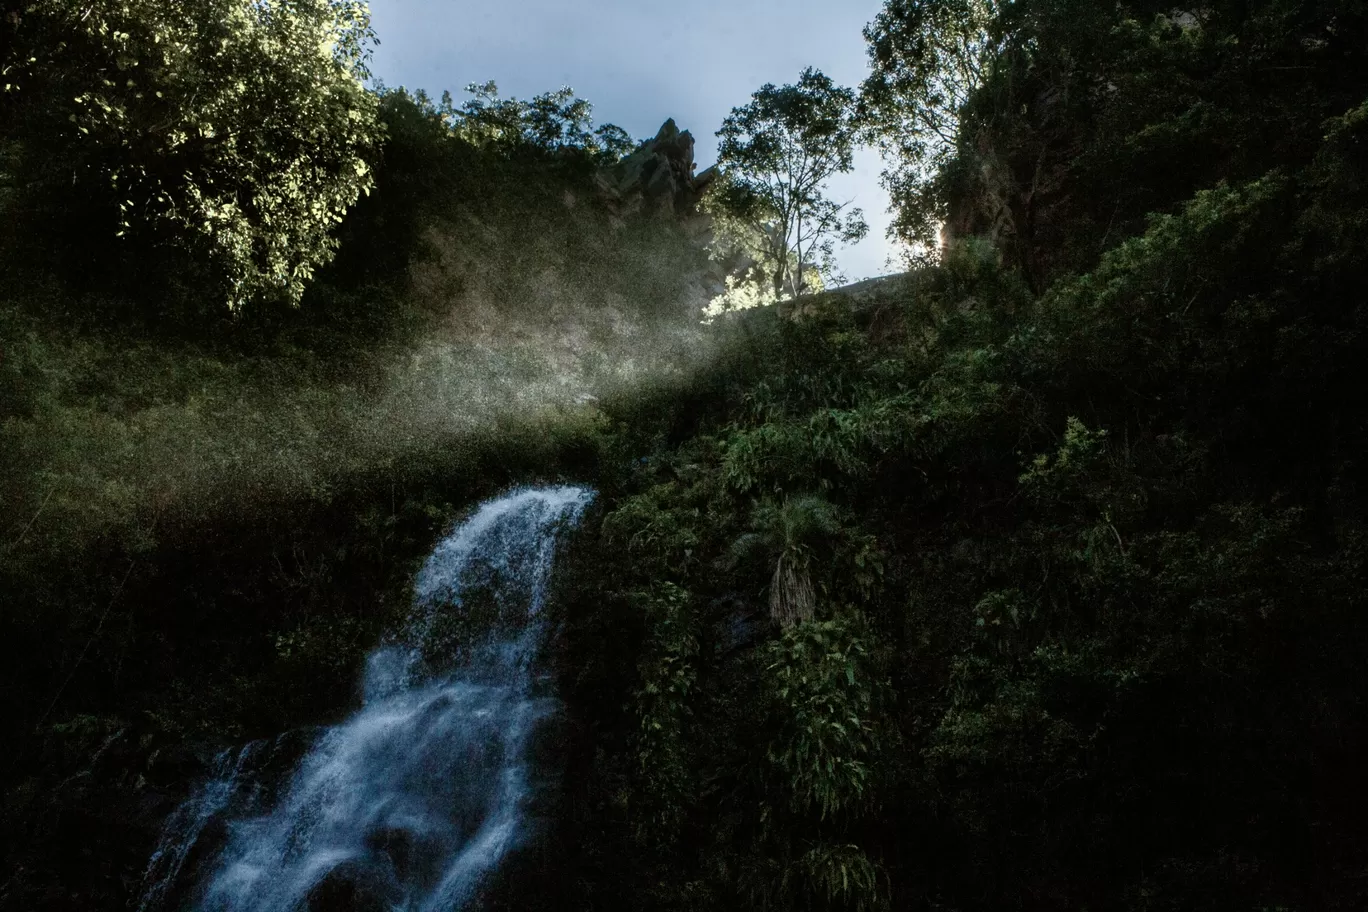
[778, 152]
[240, 130]
[1084, 508]
[551, 122]
[928, 59]
[1032, 579]
[1072, 121]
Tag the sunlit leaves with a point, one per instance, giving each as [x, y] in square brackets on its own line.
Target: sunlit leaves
[928, 57]
[778, 151]
[238, 130]
[547, 123]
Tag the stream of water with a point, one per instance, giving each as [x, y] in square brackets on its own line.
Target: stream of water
[412, 802]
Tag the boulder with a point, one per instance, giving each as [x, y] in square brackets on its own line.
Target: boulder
[659, 175]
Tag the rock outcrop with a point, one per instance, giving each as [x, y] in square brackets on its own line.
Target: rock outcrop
[659, 175]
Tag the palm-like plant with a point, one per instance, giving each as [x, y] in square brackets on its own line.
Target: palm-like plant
[789, 532]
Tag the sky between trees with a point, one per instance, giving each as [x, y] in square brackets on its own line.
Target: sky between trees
[642, 62]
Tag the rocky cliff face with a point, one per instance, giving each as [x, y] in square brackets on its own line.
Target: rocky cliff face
[658, 176]
[658, 179]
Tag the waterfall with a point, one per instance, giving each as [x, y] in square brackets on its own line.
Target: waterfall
[414, 800]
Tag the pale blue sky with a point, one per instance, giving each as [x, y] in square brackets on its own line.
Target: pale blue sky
[640, 62]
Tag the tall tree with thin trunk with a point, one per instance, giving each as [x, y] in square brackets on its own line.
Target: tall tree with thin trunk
[779, 151]
[927, 58]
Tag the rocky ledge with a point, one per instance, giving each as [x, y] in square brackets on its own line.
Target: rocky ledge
[658, 176]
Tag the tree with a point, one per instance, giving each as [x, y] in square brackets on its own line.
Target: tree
[778, 152]
[1054, 127]
[927, 57]
[238, 129]
[549, 122]
[790, 533]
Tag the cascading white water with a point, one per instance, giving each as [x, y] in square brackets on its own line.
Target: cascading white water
[409, 804]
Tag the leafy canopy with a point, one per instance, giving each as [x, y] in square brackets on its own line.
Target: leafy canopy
[779, 150]
[240, 129]
[927, 58]
[550, 122]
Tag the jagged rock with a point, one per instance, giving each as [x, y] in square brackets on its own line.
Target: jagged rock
[659, 175]
[740, 624]
[704, 178]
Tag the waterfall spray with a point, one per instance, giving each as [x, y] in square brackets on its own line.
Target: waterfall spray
[412, 802]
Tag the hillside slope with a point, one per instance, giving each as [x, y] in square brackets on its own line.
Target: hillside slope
[950, 595]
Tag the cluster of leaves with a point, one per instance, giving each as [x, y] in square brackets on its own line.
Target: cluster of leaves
[1085, 570]
[1056, 127]
[817, 673]
[238, 129]
[553, 122]
[555, 126]
[928, 58]
[662, 743]
[778, 151]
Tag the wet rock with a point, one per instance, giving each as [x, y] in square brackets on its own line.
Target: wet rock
[174, 764]
[272, 764]
[78, 830]
[353, 886]
[740, 624]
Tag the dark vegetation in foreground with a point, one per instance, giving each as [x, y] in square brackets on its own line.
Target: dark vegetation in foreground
[210, 516]
[1033, 580]
[1072, 523]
